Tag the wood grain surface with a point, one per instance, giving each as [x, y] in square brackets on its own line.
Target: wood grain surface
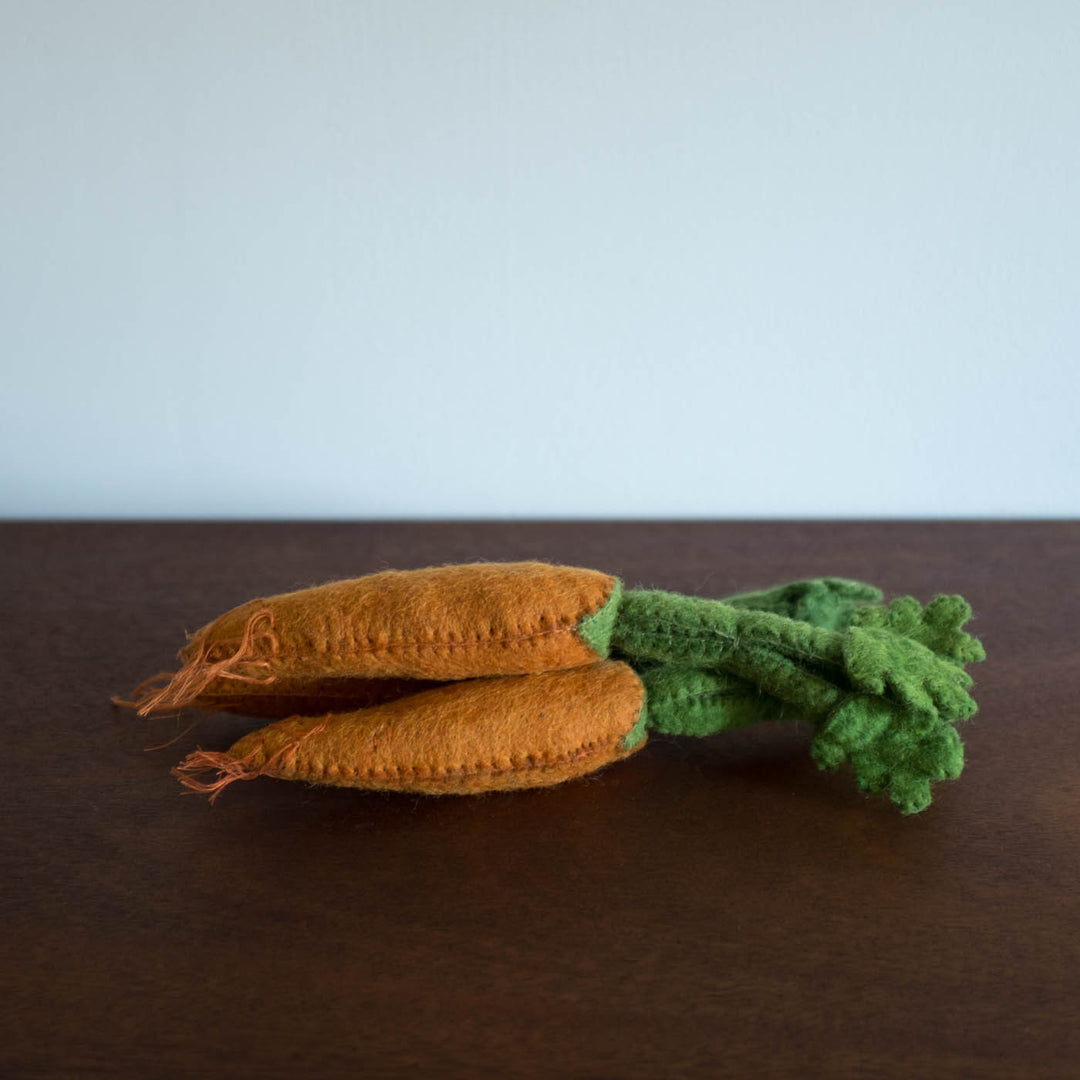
[713, 907]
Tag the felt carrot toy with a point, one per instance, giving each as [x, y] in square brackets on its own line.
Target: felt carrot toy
[883, 685]
[473, 735]
[438, 623]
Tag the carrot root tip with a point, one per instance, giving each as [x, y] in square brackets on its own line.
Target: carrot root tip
[182, 687]
[230, 769]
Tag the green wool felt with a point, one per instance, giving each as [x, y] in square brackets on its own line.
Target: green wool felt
[695, 701]
[882, 685]
[701, 701]
[828, 602]
[595, 629]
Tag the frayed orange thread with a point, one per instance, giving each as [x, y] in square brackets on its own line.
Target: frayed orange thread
[184, 686]
[230, 768]
[174, 739]
[140, 693]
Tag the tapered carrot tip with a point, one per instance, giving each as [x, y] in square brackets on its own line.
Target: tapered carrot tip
[227, 768]
[476, 735]
[206, 664]
[230, 767]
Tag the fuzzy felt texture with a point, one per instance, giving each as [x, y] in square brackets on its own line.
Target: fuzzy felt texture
[697, 701]
[882, 684]
[595, 629]
[830, 602]
[476, 735]
[883, 692]
[438, 623]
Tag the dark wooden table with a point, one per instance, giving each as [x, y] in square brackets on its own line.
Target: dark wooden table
[707, 908]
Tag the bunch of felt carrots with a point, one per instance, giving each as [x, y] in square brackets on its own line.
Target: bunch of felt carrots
[496, 676]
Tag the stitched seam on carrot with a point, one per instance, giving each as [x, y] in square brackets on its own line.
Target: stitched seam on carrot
[230, 769]
[448, 771]
[440, 643]
[563, 625]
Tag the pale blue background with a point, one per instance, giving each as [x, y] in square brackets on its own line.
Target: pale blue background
[455, 258]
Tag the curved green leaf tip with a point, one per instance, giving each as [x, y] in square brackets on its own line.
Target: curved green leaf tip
[939, 626]
[891, 751]
[899, 743]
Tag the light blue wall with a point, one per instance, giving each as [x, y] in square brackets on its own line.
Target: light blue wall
[534, 258]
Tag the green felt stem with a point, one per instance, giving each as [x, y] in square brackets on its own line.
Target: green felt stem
[701, 701]
[695, 701]
[882, 685]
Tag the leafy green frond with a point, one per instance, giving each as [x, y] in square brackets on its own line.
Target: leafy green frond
[881, 661]
[938, 626]
[891, 751]
[830, 602]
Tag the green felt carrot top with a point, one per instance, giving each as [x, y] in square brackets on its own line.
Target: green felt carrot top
[493, 676]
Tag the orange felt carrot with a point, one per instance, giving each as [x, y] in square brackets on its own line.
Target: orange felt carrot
[486, 734]
[438, 623]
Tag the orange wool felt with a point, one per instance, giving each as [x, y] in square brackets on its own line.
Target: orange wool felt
[487, 734]
[437, 623]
